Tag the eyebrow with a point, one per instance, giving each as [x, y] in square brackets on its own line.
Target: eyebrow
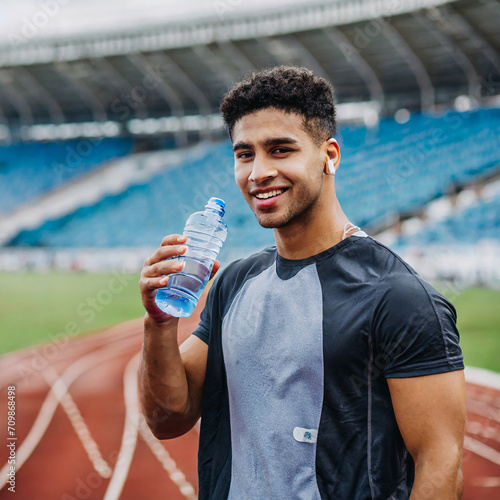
[273, 141]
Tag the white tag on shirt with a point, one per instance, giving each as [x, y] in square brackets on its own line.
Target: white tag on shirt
[305, 435]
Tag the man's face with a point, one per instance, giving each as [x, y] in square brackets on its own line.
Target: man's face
[278, 167]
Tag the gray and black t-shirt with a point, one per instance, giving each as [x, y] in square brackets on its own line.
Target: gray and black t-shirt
[296, 403]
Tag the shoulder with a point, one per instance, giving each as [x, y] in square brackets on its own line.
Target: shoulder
[413, 326]
[367, 261]
[235, 274]
[401, 288]
[225, 287]
[241, 270]
[254, 264]
[369, 251]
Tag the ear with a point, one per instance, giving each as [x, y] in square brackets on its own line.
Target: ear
[332, 156]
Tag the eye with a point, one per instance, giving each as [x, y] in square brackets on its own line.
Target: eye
[244, 155]
[282, 150]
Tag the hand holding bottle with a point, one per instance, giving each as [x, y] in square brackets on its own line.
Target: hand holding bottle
[206, 232]
[156, 271]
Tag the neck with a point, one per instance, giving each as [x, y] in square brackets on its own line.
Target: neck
[321, 228]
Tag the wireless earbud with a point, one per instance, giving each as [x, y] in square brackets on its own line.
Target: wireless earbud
[330, 167]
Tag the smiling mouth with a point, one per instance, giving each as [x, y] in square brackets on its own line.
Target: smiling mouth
[269, 194]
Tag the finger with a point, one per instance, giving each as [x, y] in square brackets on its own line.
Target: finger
[172, 239]
[162, 268]
[149, 285]
[215, 269]
[165, 252]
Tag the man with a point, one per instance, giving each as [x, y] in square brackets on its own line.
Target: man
[323, 367]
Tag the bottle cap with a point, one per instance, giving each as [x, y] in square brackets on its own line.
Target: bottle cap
[216, 204]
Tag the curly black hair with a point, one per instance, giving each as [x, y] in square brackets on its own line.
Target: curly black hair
[289, 88]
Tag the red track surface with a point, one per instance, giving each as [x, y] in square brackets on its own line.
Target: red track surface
[85, 438]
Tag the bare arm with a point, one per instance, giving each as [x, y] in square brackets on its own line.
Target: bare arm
[431, 415]
[171, 379]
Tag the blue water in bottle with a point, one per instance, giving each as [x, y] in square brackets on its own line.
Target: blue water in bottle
[206, 232]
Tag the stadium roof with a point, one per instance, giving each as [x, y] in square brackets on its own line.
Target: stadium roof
[418, 54]
[68, 19]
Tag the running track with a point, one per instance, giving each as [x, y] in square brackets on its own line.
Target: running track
[80, 433]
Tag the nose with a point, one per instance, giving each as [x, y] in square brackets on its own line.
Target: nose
[262, 170]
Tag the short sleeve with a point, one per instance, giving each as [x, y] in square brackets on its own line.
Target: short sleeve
[414, 329]
[207, 315]
[224, 288]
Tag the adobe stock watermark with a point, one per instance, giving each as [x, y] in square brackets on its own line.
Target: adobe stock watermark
[48, 9]
[381, 358]
[408, 161]
[436, 479]
[77, 154]
[217, 180]
[84, 487]
[75, 157]
[223, 7]
[365, 34]
[87, 310]
[138, 93]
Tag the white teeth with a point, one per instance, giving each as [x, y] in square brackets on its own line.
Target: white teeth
[269, 194]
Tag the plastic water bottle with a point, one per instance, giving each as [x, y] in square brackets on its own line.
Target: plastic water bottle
[206, 232]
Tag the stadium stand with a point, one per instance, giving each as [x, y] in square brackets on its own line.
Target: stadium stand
[411, 164]
[386, 173]
[28, 171]
[478, 222]
[144, 213]
[432, 64]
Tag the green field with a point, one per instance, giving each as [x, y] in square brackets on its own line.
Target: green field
[34, 307]
[478, 313]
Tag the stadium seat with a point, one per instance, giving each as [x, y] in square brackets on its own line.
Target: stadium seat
[28, 171]
[395, 169]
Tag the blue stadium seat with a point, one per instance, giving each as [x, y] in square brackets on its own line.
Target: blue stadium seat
[395, 169]
[475, 223]
[31, 170]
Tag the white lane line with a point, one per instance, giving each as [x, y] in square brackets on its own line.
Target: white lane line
[26, 361]
[483, 410]
[167, 462]
[129, 438]
[50, 403]
[483, 431]
[495, 405]
[489, 399]
[486, 482]
[60, 389]
[482, 450]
